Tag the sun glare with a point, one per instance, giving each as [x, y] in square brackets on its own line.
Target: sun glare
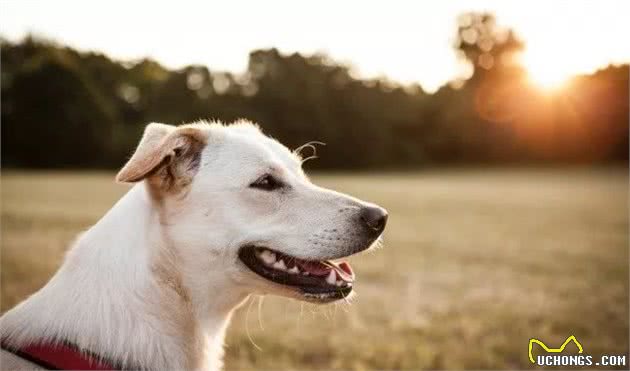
[547, 72]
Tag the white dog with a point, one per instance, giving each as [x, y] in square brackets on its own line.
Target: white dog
[218, 213]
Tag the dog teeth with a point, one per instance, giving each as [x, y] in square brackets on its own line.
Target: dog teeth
[279, 265]
[268, 257]
[332, 277]
[272, 260]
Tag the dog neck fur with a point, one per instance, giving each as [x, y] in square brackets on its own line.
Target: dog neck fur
[121, 294]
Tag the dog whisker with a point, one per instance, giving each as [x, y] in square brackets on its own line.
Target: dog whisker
[311, 145]
[260, 301]
[249, 335]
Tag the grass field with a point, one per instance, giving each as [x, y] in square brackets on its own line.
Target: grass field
[475, 263]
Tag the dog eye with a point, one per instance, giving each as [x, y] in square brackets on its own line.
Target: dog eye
[266, 183]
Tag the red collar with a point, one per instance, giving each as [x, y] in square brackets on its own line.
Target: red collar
[61, 357]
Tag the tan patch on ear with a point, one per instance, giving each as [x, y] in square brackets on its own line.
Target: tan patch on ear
[148, 154]
[180, 171]
[166, 156]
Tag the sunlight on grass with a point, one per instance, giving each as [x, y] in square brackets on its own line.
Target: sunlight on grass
[474, 264]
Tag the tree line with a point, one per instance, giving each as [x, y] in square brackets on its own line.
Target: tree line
[66, 109]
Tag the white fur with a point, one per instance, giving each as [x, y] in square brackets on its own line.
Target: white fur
[108, 297]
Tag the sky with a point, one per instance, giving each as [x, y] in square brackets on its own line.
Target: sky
[405, 41]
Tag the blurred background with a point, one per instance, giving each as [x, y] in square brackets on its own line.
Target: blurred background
[494, 132]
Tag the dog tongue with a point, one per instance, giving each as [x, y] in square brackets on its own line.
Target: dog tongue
[321, 269]
[346, 268]
[344, 271]
[315, 268]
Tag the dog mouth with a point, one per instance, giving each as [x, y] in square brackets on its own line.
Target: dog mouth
[315, 280]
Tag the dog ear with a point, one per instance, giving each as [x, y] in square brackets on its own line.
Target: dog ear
[166, 155]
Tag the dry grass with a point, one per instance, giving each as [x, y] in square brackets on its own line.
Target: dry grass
[475, 263]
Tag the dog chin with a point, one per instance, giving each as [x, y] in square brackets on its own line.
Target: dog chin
[319, 299]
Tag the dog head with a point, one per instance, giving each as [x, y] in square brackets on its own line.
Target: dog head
[233, 200]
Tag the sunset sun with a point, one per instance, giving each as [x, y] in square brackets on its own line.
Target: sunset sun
[547, 72]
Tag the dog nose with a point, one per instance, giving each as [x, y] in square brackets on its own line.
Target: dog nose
[374, 218]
